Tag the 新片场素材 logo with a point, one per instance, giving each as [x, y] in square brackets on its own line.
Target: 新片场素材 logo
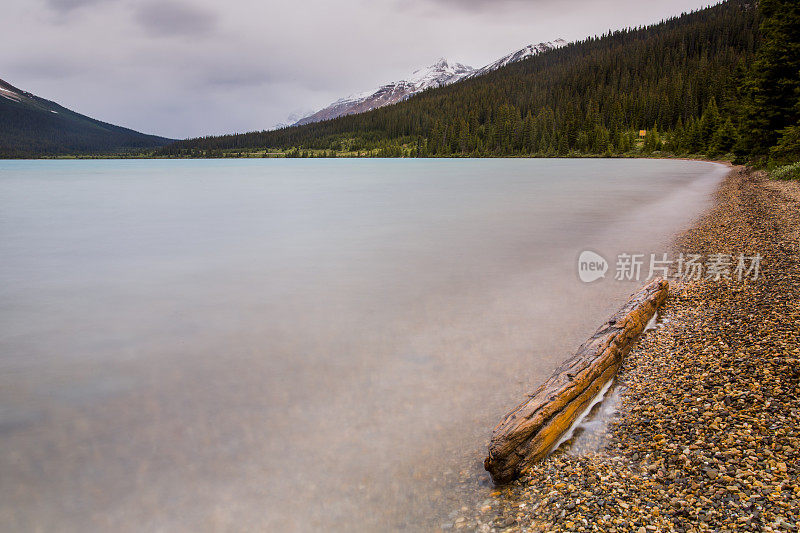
[591, 266]
[688, 267]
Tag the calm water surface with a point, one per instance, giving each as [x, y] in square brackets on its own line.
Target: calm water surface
[294, 345]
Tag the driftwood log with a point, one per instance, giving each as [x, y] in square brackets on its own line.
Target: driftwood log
[527, 434]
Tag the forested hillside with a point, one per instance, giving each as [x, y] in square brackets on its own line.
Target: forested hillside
[681, 82]
[31, 126]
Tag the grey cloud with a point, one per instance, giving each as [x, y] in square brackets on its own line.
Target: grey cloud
[45, 66]
[170, 17]
[486, 5]
[247, 76]
[64, 6]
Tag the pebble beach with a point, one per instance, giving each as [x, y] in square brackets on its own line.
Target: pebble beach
[705, 436]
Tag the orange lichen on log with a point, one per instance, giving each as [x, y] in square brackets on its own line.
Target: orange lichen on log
[527, 434]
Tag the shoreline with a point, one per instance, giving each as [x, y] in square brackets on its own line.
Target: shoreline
[704, 438]
[115, 157]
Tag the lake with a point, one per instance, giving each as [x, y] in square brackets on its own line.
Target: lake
[295, 345]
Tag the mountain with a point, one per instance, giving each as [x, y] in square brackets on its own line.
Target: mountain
[680, 80]
[523, 53]
[32, 126]
[439, 74]
[293, 117]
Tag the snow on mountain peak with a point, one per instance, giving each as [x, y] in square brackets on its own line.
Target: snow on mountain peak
[12, 93]
[293, 117]
[441, 73]
[523, 53]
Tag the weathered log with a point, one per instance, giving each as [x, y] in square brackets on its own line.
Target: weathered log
[526, 435]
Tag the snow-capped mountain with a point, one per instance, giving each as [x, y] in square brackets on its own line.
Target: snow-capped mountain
[293, 117]
[519, 55]
[439, 74]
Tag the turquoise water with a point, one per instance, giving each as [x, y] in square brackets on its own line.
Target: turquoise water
[293, 344]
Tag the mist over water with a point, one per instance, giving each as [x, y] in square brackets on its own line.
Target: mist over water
[294, 344]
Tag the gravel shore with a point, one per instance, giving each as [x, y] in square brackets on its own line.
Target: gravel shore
[706, 436]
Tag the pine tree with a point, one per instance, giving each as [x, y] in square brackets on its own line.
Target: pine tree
[788, 148]
[725, 138]
[772, 86]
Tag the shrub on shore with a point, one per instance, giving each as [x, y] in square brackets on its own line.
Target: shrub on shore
[786, 172]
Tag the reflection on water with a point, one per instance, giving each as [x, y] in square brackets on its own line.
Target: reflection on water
[298, 344]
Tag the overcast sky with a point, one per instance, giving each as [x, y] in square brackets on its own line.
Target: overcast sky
[184, 68]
